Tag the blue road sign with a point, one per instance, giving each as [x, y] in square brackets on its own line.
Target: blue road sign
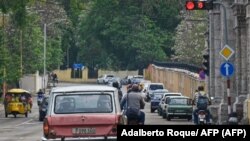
[77, 66]
[227, 69]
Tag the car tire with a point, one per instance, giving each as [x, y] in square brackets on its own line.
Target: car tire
[40, 118]
[152, 110]
[163, 115]
[189, 118]
[168, 118]
[26, 114]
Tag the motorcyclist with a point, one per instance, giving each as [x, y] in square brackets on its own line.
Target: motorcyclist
[116, 85]
[200, 92]
[40, 96]
[135, 102]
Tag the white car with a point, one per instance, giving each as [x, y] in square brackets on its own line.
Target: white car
[103, 79]
[151, 88]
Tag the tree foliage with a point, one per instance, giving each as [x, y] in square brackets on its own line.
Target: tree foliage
[190, 39]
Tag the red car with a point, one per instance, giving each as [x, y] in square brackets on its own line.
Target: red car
[83, 112]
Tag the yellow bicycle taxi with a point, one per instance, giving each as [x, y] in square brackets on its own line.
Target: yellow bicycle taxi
[17, 101]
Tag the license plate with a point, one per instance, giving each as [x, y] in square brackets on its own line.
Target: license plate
[83, 131]
[201, 116]
[179, 111]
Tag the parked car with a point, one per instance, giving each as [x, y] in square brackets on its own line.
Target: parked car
[162, 104]
[178, 106]
[86, 112]
[43, 108]
[103, 79]
[156, 98]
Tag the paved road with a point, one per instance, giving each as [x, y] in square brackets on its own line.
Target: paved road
[30, 128]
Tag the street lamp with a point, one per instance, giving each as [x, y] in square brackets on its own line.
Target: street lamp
[44, 50]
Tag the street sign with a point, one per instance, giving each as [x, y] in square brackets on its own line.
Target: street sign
[226, 52]
[77, 66]
[202, 75]
[227, 69]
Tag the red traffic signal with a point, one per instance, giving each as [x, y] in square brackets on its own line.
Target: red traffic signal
[190, 5]
[199, 5]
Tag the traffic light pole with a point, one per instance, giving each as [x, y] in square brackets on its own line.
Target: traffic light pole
[226, 43]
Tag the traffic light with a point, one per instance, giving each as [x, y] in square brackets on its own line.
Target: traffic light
[199, 5]
[206, 63]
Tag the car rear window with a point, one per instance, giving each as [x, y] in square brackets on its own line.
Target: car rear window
[179, 101]
[155, 87]
[158, 95]
[83, 103]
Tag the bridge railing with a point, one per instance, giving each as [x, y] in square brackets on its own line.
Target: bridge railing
[175, 80]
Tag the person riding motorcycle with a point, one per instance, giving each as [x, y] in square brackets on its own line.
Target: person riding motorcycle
[203, 94]
[40, 96]
[116, 85]
[135, 102]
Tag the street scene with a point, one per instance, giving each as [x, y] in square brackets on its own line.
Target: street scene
[75, 70]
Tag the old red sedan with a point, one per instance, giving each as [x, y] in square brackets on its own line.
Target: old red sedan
[83, 112]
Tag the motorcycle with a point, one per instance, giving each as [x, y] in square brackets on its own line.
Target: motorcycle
[202, 116]
[40, 99]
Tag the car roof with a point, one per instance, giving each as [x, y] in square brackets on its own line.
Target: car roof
[83, 88]
[178, 97]
[156, 83]
[172, 93]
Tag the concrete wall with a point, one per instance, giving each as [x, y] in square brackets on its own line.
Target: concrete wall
[175, 80]
[31, 82]
[65, 76]
[121, 73]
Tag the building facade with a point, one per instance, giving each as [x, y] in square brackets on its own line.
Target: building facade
[229, 25]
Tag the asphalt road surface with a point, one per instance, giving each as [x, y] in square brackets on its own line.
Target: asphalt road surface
[30, 128]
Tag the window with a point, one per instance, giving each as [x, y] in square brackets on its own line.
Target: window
[155, 87]
[83, 103]
[179, 101]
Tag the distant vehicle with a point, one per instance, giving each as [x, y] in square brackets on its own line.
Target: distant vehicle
[136, 79]
[156, 98]
[125, 80]
[178, 107]
[115, 79]
[151, 88]
[43, 107]
[103, 79]
[162, 104]
[85, 111]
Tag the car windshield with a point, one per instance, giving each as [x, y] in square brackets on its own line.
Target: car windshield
[155, 87]
[158, 95]
[179, 101]
[83, 103]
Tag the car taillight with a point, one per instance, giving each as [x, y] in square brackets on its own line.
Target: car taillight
[120, 120]
[46, 128]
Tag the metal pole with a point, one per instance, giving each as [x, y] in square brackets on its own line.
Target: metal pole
[225, 21]
[226, 42]
[228, 96]
[44, 58]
